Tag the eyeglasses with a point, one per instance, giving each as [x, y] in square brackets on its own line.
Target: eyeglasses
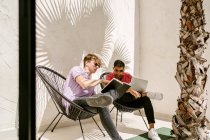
[118, 70]
[97, 65]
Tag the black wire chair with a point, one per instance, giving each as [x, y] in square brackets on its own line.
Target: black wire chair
[120, 107]
[54, 83]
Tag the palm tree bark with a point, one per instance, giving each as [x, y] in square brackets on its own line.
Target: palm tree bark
[189, 122]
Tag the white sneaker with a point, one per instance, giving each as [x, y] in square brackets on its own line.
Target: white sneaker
[155, 95]
[152, 134]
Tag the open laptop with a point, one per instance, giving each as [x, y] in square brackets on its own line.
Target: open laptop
[139, 84]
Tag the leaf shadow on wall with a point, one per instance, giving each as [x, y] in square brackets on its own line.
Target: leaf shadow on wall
[64, 34]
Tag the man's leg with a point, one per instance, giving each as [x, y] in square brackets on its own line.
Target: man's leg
[82, 102]
[104, 116]
[115, 95]
[108, 123]
[148, 108]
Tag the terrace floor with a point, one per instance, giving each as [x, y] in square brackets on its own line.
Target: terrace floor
[131, 126]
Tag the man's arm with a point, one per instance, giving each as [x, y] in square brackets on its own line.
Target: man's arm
[87, 83]
[107, 79]
[134, 92]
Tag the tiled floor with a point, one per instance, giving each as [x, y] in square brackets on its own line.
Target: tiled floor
[131, 126]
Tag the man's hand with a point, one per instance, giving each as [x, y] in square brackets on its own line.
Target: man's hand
[144, 94]
[134, 93]
[105, 82]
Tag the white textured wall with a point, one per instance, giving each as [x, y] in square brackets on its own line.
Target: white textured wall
[8, 62]
[68, 29]
[159, 38]
[153, 30]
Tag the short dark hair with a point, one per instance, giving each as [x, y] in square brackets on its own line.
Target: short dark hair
[119, 63]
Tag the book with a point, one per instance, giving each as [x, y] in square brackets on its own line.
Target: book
[117, 85]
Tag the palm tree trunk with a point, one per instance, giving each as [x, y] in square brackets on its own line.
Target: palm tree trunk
[189, 122]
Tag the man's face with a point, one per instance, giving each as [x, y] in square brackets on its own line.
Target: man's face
[118, 72]
[92, 65]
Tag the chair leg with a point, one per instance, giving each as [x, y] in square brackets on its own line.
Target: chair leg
[81, 129]
[98, 126]
[143, 119]
[57, 123]
[49, 125]
[121, 116]
[116, 117]
[112, 109]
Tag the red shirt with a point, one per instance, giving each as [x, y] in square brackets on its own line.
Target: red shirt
[126, 77]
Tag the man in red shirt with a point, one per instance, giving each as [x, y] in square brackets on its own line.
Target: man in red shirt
[133, 98]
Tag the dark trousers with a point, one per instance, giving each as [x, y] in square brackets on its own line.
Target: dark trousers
[130, 101]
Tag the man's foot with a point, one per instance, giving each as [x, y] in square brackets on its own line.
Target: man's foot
[152, 134]
[155, 95]
[99, 100]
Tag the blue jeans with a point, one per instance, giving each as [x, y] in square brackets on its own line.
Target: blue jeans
[104, 114]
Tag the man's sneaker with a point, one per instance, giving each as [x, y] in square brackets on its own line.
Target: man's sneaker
[152, 134]
[99, 100]
[155, 95]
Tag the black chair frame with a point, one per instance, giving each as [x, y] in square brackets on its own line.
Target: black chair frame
[54, 83]
[120, 107]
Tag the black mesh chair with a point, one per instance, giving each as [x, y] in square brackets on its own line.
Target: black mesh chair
[54, 83]
[120, 107]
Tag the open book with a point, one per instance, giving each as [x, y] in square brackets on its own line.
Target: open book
[117, 85]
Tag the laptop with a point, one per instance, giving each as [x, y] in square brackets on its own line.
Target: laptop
[139, 84]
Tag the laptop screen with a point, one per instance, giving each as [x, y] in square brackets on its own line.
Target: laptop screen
[139, 84]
